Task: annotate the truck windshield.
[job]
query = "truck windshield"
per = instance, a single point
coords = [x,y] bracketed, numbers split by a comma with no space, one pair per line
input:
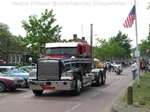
[61,50]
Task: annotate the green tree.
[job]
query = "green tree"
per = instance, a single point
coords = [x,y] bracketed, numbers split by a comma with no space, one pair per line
[117,52]
[9,43]
[40,31]
[124,42]
[145,44]
[105,50]
[101,49]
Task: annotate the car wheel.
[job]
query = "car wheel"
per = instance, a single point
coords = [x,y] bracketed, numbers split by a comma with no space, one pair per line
[2,87]
[37,92]
[25,84]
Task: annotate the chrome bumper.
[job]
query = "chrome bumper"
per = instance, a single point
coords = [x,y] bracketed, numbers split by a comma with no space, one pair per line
[51,85]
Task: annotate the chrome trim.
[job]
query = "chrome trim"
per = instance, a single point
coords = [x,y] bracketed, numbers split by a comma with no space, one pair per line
[58,85]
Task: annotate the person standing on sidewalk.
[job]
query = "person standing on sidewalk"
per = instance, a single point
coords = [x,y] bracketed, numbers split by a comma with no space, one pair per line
[133,69]
[142,67]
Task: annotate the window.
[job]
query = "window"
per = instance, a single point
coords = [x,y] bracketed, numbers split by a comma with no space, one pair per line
[18,58]
[60,50]
[10,58]
[68,50]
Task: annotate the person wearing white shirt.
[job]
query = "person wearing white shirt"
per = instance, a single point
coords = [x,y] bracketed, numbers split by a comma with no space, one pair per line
[133,69]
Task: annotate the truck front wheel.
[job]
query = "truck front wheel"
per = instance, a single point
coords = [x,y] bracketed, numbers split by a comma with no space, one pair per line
[37,92]
[78,85]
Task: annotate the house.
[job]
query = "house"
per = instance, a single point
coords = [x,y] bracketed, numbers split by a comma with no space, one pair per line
[15,58]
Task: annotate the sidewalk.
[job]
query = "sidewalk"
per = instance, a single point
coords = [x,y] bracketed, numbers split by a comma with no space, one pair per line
[124,107]
[119,106]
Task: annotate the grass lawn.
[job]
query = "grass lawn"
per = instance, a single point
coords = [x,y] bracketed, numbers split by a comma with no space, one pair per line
[141,95]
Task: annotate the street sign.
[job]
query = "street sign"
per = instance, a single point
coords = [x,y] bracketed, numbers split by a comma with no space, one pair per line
[137,54]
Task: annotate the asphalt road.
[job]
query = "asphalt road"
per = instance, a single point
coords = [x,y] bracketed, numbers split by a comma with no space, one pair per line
[92,99]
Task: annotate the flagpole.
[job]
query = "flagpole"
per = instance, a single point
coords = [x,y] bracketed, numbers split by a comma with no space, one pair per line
[137,51]
[82,30]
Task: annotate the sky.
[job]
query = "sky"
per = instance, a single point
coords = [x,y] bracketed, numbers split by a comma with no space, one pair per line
[75,17]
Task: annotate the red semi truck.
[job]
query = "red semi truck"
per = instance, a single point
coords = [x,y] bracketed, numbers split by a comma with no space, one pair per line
[66,66]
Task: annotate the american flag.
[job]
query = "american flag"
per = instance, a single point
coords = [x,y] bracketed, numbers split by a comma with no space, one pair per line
[130,19]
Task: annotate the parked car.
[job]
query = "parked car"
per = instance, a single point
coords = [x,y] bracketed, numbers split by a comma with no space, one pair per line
[2,62]
[13,71]
[32,74]
[11,83]
[26,68]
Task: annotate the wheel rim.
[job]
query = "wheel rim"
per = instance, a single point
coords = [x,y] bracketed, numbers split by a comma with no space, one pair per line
[79,84]
[1,87]
[24,85]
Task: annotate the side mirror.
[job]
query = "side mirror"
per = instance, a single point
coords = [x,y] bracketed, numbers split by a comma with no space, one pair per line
[87,50]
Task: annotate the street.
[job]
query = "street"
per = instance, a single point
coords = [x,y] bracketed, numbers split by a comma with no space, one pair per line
[91,99]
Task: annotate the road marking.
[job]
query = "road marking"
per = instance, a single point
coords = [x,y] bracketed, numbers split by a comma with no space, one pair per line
[116,77]
[73,108]
[112,85]
[3,102]
[93,96]
[27,96]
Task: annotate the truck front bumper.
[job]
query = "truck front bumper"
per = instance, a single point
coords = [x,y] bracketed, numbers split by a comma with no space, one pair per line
[51,85]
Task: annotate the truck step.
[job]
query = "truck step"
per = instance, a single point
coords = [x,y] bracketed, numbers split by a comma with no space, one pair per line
[87,84]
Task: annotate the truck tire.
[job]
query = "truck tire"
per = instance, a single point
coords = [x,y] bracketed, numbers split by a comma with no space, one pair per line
[78,85]
[2,87]
[103,77]
[98,79]
[37,92]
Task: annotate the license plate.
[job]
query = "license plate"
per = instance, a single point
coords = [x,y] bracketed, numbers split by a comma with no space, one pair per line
[48,88]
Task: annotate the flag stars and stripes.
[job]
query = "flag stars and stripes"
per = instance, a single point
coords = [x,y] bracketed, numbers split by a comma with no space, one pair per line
[130,18]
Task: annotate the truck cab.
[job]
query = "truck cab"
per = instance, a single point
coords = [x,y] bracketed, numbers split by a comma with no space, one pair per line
[66,66]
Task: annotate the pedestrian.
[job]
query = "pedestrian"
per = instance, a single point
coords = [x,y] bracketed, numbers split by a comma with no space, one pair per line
[142,67]
[109,67]
[148,67]
[147,64]
[133,69]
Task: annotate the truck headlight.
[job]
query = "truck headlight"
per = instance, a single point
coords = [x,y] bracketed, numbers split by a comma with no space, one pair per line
[67,74]
[32,75]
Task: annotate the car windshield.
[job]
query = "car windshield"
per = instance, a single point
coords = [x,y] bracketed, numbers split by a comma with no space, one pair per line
[25,69]
[1,75]
[61,50]
[4,70]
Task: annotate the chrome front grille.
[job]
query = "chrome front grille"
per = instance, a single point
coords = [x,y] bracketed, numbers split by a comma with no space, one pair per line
[48,70]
